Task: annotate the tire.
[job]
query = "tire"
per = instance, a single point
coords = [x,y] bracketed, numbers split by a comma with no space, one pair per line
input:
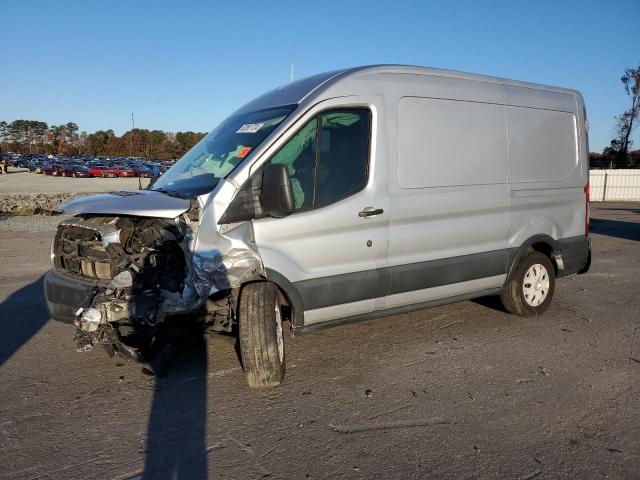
[261,335]
[524,297]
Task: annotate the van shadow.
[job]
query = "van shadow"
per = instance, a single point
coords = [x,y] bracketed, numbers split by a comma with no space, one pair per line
[615,228]
[616,208]
[176,433]
[22,315]
[492,302]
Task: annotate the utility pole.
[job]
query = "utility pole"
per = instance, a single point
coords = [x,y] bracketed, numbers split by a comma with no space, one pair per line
[133,126]
[293,55]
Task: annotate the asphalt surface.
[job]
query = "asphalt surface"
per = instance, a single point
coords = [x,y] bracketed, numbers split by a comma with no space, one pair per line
[21,181]
[460,391]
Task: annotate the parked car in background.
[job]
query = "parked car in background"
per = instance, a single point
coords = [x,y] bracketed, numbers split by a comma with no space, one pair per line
[18,162]
[77,170]
[54,169]
[101,170]
[35,166]
[123,170]
[141,171]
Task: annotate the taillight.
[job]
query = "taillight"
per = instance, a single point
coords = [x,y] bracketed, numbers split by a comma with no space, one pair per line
[586,209]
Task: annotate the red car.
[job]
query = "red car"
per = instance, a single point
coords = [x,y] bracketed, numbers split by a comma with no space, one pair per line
[102,171]
[124,171]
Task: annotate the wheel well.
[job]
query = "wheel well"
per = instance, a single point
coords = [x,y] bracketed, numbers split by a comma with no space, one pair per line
[547,250]
[291,294]
[284,299]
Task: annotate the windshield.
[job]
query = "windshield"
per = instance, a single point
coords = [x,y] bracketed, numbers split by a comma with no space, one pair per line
[216,155]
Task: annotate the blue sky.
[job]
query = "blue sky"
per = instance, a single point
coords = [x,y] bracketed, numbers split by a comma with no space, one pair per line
[185,65]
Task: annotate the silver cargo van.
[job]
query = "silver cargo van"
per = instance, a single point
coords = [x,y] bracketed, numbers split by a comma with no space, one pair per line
[344,196]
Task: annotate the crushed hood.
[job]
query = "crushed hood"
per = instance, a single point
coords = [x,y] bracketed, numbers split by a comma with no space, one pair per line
[143,203]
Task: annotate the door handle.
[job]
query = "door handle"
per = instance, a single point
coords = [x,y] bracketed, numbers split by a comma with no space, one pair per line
[370,212]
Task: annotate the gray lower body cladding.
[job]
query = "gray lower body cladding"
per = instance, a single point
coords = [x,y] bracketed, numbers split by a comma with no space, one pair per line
[352,287]
[576,254]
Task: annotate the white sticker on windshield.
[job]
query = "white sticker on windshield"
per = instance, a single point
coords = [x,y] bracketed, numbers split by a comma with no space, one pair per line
[250,127]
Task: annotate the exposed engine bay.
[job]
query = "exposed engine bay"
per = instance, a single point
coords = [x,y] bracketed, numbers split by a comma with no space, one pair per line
[147,283]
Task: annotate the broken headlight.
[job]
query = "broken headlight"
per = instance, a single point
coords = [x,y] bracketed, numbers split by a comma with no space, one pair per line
[90,319]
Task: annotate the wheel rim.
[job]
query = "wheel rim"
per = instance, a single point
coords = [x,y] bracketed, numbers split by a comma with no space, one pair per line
[535,285]
[280,338]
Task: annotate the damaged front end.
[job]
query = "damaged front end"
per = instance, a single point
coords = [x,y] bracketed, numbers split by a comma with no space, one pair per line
[136,272]
[143,273]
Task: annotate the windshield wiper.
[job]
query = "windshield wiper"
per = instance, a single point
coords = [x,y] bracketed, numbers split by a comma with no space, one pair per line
[170,193]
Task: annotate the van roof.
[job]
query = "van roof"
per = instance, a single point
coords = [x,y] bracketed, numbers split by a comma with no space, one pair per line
[310,87]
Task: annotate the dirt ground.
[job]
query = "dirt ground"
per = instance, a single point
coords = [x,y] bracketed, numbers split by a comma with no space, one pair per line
[460,391]
[21,181]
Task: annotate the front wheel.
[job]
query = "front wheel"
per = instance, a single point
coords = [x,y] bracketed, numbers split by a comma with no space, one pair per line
[530,289]
[261,335]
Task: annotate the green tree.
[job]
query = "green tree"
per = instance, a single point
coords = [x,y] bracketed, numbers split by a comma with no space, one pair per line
[4,126]
[628,120]
[71,133]
[56,137]
[26,135]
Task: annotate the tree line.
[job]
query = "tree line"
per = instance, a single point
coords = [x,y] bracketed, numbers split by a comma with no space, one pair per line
[33,136]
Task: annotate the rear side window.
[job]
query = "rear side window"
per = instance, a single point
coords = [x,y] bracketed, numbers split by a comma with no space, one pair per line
[327,158]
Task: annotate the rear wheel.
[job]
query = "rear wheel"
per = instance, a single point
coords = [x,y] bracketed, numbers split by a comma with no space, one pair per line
[261,335]
[529,291]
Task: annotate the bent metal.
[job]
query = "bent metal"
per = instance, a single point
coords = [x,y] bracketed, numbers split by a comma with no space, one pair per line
[344,196]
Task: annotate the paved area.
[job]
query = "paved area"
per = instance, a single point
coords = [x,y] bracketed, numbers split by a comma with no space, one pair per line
[460,391]
[22,181]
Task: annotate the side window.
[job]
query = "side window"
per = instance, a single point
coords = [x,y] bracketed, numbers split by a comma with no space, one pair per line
[343,156]
[328,158]
[299,155]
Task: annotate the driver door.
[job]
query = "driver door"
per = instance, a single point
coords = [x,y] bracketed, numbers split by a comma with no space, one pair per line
[333,247]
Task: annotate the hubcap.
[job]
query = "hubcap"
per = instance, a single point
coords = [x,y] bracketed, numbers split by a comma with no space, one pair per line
[535,286]
[279,336]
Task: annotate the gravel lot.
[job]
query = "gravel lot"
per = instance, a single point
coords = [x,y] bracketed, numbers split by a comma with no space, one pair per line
[460,391]
[22,181]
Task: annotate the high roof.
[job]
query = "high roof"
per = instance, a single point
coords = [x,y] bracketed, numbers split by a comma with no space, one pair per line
[296,92]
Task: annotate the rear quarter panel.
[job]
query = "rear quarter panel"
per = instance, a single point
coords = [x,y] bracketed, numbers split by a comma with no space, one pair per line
[546,183]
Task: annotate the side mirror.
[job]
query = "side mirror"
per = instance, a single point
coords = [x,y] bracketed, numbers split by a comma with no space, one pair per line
[277,194]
